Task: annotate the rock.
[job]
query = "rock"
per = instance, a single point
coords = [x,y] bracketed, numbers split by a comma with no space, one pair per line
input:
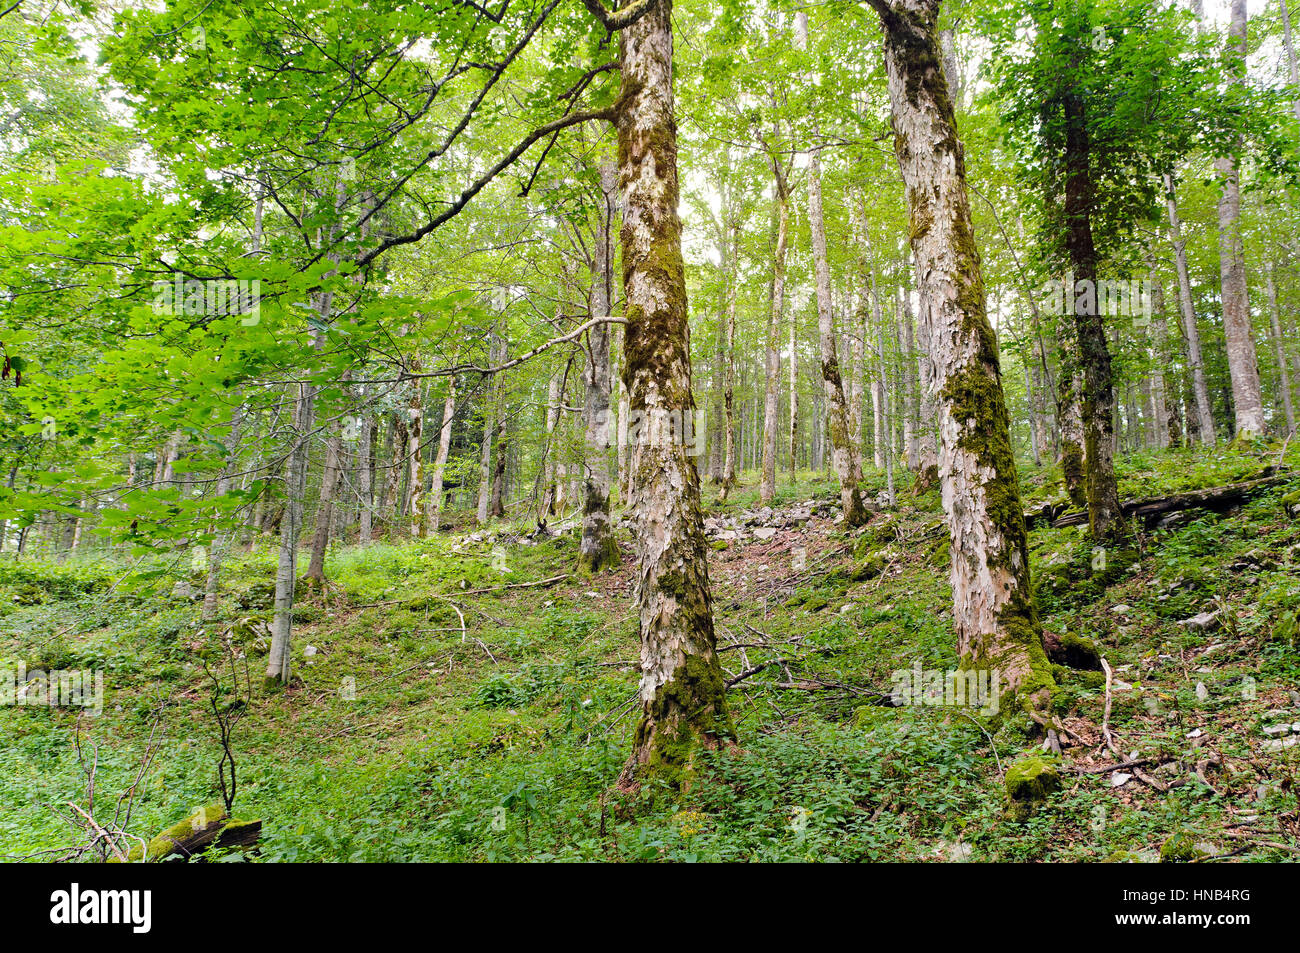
[1133,857]
[764,532]
[870,568]
[1029,782]
[1280,743]
[1121,609]
[1274,730]
[182,590]
[1202,622]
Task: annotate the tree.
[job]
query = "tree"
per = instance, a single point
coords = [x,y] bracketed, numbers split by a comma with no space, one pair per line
[683,698]
[993,606]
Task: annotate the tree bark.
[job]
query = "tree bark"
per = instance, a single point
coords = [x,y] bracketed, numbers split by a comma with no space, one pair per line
[440,458]
[683,696]
[1105,520]
[993,608]
[597,548]
[325,507]
[1243,367]
[771,341]
[1191,331]
[843,452]
[1279,350]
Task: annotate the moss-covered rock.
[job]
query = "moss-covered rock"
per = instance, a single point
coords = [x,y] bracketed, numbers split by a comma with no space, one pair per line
[208,826]
[1029,782]
[1291,504]
[869,568]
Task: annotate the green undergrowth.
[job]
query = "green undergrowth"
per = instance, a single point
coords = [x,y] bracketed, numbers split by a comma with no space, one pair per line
[454,700]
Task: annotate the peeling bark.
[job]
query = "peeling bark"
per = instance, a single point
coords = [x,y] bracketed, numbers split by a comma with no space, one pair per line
[683,697]
[993,608]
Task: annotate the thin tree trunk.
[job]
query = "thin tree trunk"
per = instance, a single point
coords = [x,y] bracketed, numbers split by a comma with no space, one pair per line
[365,475]
[772,345]
[1191,331]
[1293,69]
[440,458]
[1279,350]
[728,394]
[1160,414]
[597,548]
[325,507]
[844,455]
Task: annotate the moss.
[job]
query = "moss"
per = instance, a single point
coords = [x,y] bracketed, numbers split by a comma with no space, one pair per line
[1291,503]
[165,843]
[687,715]
[1181,846]
[1029,782]
[870,568]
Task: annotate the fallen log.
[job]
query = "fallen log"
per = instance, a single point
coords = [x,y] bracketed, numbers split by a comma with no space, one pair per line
[1218,498]
[206,827]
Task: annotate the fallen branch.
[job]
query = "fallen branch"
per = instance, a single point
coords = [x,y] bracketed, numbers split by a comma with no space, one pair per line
[1213,498]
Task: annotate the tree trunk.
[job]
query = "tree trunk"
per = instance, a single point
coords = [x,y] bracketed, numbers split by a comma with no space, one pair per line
[1105,520]
[729,385]
[490,412]
[683,696]
[497,498]
[772,344]
[1243,367]
[325,508]
[993,608]
[295,487]
[597,548]
[843,452]
[1293,69]
[1279,350]
[440,459]
[1191,331]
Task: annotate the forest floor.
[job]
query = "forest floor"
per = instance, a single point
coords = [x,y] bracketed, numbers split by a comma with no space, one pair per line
[466,698]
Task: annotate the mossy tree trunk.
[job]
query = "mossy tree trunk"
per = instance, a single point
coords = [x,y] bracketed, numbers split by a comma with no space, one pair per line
[1105,520]
[995,617]
[683,696]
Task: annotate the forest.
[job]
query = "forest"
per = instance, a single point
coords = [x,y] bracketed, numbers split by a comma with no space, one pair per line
[567,430]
